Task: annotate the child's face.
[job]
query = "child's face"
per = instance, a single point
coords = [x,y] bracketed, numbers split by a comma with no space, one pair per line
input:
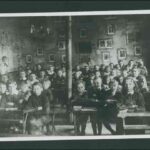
[39,67]
[98,83]
[60,73]
[12,88]
[37,90]
[24,88]
[96,67]
[22,74]
[77,75]
[135,72]
[2,88]
[32,77]
[51,68]
[46,85]
[97,74]
[113,72]
[81,88]
[42,73]
[78,68]
[114,86]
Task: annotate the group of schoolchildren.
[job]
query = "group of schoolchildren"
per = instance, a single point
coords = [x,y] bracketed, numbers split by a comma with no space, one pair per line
[107,88]
[31,90]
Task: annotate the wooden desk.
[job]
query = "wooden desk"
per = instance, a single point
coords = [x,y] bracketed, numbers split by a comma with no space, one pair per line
[10,117]
[122,126]
[82,110]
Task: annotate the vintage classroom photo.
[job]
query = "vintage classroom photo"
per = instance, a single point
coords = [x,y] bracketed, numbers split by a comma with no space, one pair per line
[71,74]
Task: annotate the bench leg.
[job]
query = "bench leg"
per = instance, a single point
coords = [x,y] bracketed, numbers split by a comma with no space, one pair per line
[119,126]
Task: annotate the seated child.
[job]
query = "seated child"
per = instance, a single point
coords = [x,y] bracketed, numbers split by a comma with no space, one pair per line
[47,90]
[38,119]
[132,96]
[142,68]
[4,79]
[142,84]
[95,94]
[79,98]
[25,93]
[106,81]
[60,88]
[32,79]
[22,77]
[12,96]
[113,99]
[42,76]
[51,73]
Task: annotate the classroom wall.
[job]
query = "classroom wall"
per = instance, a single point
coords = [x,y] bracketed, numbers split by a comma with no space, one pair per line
[97,30]
[16,41]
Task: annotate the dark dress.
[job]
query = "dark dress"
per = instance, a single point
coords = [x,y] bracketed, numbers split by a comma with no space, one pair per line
[36,120]
[81,119]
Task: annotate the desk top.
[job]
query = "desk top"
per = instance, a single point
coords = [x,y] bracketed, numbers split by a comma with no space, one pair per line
[84,109]
[124,114]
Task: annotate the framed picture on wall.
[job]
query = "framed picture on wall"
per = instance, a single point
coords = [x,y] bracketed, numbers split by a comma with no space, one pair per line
[61,45]
[40,52]
[122,53]
[106,57]
[110,28]
[51,58]
[101,44]
[63,58]
[109,43]
[138,50]
[83,33]
[105,43]
[28,58]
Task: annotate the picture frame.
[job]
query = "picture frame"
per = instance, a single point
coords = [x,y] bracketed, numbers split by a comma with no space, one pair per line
[63,58]
[138,50]
[61,45]
[28,59]
[122,53]
[105,43]
[40,52]
[51,58]
[101,44]
[106,57]
[111,28]
[109,43]
[83,33]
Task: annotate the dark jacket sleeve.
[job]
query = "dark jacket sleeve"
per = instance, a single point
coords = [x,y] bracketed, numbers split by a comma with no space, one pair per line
[140,100]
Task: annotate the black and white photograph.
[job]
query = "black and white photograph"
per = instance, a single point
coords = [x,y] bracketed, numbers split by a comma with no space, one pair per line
[75,89]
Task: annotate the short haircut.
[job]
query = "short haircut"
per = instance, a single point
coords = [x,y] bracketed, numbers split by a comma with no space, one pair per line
[37,84]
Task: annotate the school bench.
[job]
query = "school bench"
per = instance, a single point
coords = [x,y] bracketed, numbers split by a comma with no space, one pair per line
[82,110]
[123,125]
